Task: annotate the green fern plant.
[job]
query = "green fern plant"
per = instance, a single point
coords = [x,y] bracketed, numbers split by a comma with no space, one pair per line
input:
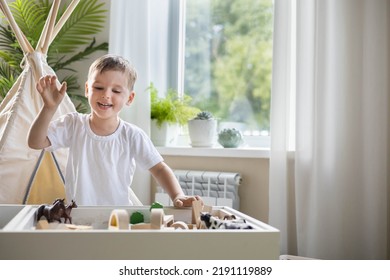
[171,108]
[77,34]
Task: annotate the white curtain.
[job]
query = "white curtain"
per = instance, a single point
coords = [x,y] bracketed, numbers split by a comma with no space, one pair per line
[330,125]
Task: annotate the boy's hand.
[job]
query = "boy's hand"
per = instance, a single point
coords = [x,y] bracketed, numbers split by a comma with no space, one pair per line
[185,200]
[50,93]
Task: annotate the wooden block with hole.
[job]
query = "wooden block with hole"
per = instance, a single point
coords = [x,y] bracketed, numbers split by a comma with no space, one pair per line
[119,220]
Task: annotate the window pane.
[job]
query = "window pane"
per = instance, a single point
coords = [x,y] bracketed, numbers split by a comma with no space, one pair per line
[228,59]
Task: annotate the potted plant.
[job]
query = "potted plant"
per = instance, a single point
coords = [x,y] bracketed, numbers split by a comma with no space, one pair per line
[202,129]
[230,138]
[168,113]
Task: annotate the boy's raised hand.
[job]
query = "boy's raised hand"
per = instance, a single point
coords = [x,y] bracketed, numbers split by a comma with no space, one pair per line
[50,93]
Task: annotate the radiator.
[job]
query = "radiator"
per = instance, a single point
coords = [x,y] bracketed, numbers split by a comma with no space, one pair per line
[215,188]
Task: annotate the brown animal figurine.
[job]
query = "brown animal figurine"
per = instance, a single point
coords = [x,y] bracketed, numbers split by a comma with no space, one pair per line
[68,209]
[52,212]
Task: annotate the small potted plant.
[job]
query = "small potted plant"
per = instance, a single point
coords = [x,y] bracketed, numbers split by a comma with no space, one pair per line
[202,130]
[167,114]
[230,138]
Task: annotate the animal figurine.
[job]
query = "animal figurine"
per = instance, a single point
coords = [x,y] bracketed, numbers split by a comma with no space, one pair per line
[52,212]
[56,211]
[68,209]
[229,217]
[214,223]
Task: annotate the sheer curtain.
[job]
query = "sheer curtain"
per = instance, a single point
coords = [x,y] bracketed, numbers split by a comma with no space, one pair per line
[330,123]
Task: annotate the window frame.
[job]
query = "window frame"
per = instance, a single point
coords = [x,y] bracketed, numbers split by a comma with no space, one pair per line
[176,62]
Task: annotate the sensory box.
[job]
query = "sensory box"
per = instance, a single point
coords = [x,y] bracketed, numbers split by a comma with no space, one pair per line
[19,238]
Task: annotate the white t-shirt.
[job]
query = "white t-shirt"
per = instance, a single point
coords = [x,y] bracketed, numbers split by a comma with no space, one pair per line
[100,169]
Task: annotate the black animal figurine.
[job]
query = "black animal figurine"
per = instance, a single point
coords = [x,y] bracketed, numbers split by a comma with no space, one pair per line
[56,211]
[52,212]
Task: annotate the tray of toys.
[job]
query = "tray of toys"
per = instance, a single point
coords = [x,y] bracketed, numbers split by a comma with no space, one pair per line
[59,231]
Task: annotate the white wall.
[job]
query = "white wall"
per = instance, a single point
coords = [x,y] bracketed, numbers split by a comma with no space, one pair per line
[82,66]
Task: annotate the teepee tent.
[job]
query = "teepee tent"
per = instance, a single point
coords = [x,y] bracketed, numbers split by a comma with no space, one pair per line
[29,176]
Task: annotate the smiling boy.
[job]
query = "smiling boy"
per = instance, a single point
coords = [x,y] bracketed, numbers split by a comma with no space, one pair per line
[103,149]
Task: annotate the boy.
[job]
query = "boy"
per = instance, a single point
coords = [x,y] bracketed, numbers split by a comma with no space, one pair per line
[103,149]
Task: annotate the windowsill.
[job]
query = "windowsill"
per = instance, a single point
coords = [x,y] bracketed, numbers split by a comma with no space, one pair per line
[242,152]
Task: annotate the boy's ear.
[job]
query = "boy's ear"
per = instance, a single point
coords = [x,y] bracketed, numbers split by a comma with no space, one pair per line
[86,89]
[131,98]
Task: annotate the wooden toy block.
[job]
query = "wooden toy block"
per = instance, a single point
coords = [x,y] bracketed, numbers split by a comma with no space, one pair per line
[197,207]
[192,227]
[179,225]
[168,220]
[156,218]
[44,225]
[78,227]
[141,226]
[147,226]
[119,220]
[61,226]
[207,208]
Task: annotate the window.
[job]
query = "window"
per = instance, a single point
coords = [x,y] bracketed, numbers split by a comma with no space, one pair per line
[228,60]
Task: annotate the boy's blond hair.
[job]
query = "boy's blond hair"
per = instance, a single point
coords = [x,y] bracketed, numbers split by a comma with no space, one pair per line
[116,63]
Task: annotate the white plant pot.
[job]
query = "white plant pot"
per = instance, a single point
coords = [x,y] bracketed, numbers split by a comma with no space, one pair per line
[164,136]
[202,132]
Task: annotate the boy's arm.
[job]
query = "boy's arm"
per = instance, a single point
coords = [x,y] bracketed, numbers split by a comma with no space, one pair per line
[166,178]
[52,97]
[37,136]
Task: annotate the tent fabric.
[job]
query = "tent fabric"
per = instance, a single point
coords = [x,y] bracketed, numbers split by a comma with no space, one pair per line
[46,183]
[17,160]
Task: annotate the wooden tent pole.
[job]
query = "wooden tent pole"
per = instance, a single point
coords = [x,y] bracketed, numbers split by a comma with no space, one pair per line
[24,44]
[39,45]
[63,19]
[51,24]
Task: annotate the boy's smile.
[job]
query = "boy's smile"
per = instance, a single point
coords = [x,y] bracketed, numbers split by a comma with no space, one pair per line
[104,106]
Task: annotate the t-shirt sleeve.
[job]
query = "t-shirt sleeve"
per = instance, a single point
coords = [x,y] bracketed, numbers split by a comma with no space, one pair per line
[60,132]
[146,153]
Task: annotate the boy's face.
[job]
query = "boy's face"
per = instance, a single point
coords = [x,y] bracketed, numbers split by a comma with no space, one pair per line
[107,93]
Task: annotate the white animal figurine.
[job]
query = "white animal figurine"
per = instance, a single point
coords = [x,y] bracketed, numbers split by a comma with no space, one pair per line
[214,223]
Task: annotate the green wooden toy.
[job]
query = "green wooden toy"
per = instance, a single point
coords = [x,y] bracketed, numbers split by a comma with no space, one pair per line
[136,218]
[156,205]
